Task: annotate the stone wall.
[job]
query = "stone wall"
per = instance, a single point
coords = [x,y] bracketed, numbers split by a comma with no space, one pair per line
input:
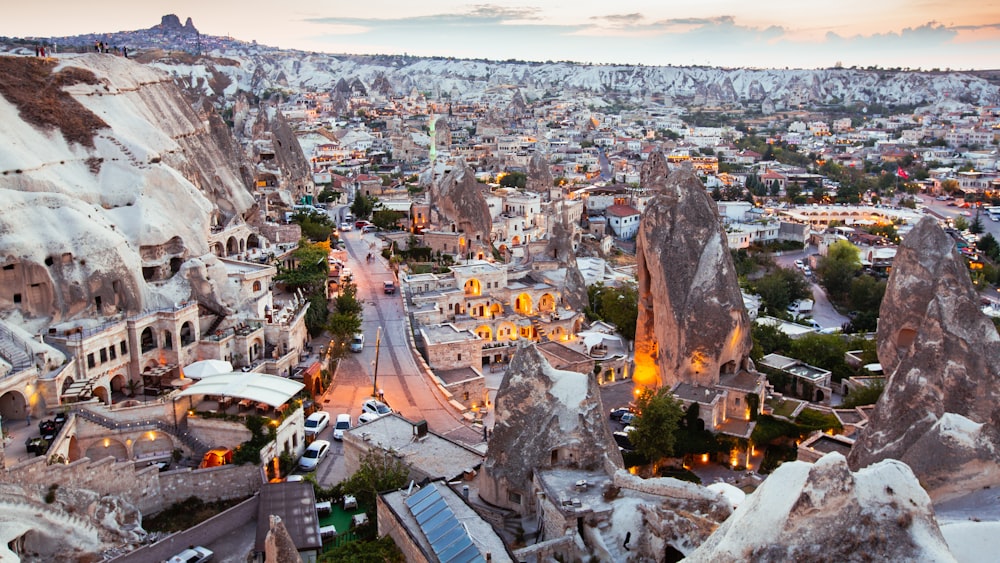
[454,355]
[140,486]
[663,486]
[214,483]
[279,234]
[548,550]
[389,524]
[218,433]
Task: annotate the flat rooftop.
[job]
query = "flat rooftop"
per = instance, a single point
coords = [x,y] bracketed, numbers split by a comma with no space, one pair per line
[695,393]
[452,376]
[445,333]
[295,503]
[432,455]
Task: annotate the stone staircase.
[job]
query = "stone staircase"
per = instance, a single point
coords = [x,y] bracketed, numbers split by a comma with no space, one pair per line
[615,550]
[14,350]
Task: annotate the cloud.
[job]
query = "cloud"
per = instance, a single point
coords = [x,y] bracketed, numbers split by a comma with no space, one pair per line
[503,13]
[619,19]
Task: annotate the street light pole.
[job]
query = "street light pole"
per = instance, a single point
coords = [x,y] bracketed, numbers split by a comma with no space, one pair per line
[378,341]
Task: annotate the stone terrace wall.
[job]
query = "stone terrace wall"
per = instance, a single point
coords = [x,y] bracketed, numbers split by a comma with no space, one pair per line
[218,433]
[215,483]
[663,486]
[140,486]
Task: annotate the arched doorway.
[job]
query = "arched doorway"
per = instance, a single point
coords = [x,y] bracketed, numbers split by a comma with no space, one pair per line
[187,334]
[547,303]
[168,340]
[255,350]
[522,304]
[107,447]
[253,241]
[496,310]
[217,249]
[231,246]
[147,341]
[74,450]
[118,383]
[101,392]
[473,287]
[485,332]
[13,406]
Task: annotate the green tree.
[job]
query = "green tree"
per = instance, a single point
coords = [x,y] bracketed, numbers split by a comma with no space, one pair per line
[363,206]
[780,288]
[836,270]
[960,223]
[311,268]
[988,245]
[617,305]
[381,550]
[656,424]
[387,219]
[823,351]
[866,395]
[866,294]
[378,471]
[514,180]
[768,339]
[976,227]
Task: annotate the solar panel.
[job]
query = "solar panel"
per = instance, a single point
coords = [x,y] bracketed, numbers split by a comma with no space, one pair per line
[447,536]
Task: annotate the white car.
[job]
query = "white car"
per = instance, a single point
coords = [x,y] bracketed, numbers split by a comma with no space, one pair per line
[313,455]
[357,343]
[346,274]
[372,409]
[316,423]
[345,226]
[192,555]
[343,424]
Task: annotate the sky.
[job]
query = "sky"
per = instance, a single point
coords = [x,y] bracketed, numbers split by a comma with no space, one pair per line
[927,34]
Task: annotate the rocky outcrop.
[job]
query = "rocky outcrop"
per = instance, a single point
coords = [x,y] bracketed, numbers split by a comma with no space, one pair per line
[442,134]
[941,354]
[458,205]
[823,512]
[539,177]
[545,418]
[278,544]
[78,222]
[692,324]
[295,170]
[654,172]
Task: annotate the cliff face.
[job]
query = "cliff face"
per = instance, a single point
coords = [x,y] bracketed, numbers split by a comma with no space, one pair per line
[83,218]
[541,410]
[940,353]
[654,172]
[539,177]
[692,323]
[823,512]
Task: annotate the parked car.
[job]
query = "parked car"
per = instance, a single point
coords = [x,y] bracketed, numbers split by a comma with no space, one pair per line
[388,287]
[197,554]
[313,455]
[346,274]
[369,229]
[316,423]
[361,224]
[357,342]
[628,418]
[343,424]
[616,414]
[372,409]
[799,264]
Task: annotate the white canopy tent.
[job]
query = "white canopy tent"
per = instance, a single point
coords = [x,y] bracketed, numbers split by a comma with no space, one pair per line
[257,387]
[207,368]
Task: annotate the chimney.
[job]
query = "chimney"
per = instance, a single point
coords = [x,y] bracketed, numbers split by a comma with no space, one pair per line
[420,429]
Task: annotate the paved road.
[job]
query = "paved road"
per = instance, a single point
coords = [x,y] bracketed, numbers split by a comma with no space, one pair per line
[406,388]
[823,312]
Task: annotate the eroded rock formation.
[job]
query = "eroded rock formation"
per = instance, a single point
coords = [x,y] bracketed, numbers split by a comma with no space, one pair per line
[692,323]
[458,205]
[940,353]
[539,177]
[85,228]
[278,545]
[545,418]
[654,172]
[823,512]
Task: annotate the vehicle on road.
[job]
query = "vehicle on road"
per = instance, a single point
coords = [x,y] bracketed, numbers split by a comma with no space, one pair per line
[357,343]
[372,409]
[799,264]
[628,418]
[346,274]
[361,224]
[194,554]
[388,287]
[313,455]
[617,413]
[343,424]
[345,226]
[316,423]
[369,229]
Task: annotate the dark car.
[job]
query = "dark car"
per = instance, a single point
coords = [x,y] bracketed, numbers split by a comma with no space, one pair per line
[616,414]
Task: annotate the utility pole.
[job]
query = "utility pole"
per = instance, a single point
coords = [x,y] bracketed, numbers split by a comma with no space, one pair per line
[378,341]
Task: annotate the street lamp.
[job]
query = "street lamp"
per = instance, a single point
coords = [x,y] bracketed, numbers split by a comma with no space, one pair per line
[378,341]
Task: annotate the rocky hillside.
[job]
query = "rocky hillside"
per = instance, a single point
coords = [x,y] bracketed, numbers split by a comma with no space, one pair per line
[939,409]
[111,182]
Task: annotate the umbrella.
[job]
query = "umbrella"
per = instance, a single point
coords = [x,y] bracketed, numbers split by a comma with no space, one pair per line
[207,368]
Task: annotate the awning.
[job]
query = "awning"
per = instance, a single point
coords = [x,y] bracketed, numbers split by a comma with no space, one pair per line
[257,387]
[207,368]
